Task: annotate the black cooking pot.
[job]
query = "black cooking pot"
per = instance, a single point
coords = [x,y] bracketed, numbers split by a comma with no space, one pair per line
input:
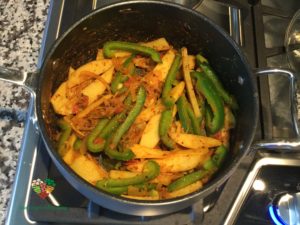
[141,21]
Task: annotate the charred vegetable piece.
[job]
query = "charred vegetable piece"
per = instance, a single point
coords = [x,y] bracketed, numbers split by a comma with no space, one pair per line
[92,137]
[134,112]
[187,180]
[228,99]
[118,79]
[66,132]
[219,155]
[164,126]
[167,99]
[131,47]
[183,114]
[150,171]
[206,88]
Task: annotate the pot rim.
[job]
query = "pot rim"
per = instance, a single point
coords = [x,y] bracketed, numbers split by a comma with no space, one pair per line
[207,188]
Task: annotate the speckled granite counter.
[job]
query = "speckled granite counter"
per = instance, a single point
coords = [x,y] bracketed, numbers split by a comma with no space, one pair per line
[21,30]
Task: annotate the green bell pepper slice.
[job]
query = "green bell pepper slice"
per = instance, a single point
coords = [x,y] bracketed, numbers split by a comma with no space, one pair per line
[109,46]
[206,88]
[150,171]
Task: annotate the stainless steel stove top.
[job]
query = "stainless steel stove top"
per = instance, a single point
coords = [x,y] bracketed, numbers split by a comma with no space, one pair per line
[253,27]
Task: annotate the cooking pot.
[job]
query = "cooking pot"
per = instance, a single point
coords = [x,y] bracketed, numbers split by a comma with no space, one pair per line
[141,21]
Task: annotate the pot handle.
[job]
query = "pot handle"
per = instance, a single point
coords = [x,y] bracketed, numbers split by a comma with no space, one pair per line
[287,145]
[25,80]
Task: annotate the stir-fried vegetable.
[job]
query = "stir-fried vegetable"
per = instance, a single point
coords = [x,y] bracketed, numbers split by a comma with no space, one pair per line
[133,120]
[132,47]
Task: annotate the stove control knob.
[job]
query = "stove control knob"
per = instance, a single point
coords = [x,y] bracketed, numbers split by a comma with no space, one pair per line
[285,209]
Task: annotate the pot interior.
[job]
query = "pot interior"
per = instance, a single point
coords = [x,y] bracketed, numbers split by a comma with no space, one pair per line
[143,21]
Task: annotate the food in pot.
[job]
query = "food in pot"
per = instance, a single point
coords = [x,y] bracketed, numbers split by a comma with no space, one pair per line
[144,120]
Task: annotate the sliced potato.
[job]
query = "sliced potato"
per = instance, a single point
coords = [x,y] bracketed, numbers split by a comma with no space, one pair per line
[177,91]
[188,82]
[161,70]
[142,152]
[159,44]
[166,178]
[121,174]
[71,71]
[61,104]
[150,136]
[176,161]
[88,168]
[70,156]
[183,160]
[184,191]
[194,141]
[97,67]
[121,54]
[94,90]
[192,62]
[100,55]
[150,111]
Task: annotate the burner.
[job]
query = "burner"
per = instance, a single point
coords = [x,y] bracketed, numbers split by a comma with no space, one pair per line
[269,194]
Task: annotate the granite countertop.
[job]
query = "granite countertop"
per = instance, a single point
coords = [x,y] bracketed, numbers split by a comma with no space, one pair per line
[21,31]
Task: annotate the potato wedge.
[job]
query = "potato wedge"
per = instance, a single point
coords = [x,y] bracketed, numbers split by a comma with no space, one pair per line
[121,54]
[142,152]
[150,136]
[150,111]
[121,174]
[87,168]
[188,82]
[191,62]
[71,71]
[94,90]
[176,161]
[161,70]
[100,55]
[184,191]
[166,178]
[177,91]
[97,67]
[61,104]
[159,44]
[70,156]
[194,141]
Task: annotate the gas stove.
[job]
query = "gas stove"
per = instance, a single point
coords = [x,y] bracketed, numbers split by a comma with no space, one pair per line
[263,185]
